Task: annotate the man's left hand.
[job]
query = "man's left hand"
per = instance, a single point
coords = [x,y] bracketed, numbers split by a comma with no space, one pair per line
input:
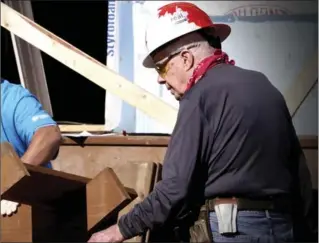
[111,234]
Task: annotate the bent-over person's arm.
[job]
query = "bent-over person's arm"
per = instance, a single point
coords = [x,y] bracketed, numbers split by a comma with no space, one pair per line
[183,153]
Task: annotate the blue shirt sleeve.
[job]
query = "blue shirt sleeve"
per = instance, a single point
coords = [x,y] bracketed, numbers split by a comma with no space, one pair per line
[29,116]
[181,159]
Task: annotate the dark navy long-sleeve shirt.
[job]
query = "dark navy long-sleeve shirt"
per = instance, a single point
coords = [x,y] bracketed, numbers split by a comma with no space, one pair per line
[236,125]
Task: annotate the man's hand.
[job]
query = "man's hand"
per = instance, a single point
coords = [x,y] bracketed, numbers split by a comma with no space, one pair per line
[111,234]
[8,207]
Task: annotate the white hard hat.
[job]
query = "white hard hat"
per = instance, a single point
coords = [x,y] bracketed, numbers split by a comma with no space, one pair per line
[174,20]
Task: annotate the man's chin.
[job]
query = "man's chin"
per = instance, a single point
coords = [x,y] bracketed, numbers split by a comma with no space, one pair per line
[177,96]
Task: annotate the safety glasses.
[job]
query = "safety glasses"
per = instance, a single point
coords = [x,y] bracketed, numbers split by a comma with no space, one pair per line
[161,66]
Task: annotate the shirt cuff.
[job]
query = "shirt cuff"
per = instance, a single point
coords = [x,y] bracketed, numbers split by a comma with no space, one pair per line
[124,229]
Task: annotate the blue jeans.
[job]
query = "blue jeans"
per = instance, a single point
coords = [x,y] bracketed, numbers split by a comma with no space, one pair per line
[256,226]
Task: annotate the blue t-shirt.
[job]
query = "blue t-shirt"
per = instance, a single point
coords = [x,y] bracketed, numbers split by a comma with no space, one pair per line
[21,116]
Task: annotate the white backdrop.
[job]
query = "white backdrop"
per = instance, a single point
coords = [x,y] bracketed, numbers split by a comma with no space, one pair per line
[113,104]
[274,37]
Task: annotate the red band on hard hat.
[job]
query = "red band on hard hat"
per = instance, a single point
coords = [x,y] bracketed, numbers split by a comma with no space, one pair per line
[195,14]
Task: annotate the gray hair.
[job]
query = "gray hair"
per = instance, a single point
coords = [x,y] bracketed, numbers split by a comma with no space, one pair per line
[195,41]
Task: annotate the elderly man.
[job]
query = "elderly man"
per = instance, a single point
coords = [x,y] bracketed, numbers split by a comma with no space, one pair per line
[28,128]
[234,157]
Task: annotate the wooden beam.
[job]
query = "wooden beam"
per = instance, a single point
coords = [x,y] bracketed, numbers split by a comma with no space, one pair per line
[305,81]
[81,128]
[10,162]
[87,66]
[29,60]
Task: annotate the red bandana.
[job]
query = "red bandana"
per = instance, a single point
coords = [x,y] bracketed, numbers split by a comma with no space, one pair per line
[209,62]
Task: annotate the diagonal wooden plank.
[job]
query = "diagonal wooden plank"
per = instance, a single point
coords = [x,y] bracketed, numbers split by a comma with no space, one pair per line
[87,66]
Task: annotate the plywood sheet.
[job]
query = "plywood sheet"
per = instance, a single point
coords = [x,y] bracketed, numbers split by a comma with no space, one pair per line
[10,162]
[18,227]
[88,161]
[33,189]
[138,175]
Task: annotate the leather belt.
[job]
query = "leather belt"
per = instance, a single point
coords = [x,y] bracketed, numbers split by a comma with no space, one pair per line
[244,204]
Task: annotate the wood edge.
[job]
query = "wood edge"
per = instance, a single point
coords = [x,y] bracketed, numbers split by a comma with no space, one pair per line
[8,147]
[306,141]
[118,182]
[131,192]
[66,128]
[131,205]
[6,192]
[18,164]
[92,228]
[126,197]
[115,140]
[61,174]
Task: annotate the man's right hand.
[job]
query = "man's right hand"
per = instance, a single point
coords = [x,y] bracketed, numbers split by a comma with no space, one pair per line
[8,207]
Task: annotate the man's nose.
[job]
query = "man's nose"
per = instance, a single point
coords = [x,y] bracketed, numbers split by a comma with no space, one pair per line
[160,80]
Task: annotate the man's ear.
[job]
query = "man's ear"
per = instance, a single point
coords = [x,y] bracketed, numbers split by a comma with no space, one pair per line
[188,60]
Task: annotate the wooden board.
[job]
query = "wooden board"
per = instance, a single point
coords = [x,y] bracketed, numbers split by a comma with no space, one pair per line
[33,189]
[87,66]
[88,156]
[17,228]
[82,127]
[88,161]
[105,196]
[63,204]
[10,162]
[39,179]
[138,175]
[129,140]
